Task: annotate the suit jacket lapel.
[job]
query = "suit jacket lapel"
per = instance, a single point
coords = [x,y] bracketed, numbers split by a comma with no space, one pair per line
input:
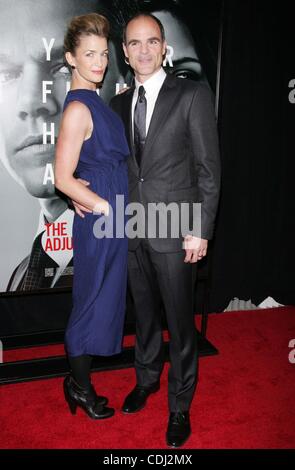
[126,115]
[163,105]
[127,119]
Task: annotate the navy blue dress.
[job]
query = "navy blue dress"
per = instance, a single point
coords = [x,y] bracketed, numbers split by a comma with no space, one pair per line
[96,323]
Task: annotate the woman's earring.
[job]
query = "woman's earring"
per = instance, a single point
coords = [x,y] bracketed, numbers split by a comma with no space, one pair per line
[73,67]
[126,60]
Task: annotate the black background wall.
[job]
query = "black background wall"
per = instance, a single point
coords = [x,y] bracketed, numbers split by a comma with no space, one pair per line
[254,255]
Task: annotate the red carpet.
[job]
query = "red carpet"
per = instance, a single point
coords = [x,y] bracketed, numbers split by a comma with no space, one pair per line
[245,397]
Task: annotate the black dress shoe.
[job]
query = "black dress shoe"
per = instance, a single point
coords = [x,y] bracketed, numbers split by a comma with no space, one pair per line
[179,429]
[136,400]
[87,399]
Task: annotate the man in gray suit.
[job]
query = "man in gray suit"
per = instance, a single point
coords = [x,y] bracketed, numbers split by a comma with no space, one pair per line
[170,124]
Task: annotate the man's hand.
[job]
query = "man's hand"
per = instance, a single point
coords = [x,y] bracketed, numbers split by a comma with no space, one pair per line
[78,207]
[122,90]
[195,248]
[102,207]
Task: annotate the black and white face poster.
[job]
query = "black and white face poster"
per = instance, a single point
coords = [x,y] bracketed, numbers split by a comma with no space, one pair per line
[36,221]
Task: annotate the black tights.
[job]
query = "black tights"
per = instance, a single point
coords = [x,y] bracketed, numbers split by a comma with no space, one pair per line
[80,367]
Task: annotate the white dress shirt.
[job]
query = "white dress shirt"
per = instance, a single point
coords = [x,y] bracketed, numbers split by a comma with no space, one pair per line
[152,87]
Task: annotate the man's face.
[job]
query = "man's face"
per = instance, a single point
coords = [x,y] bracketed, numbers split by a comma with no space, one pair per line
[186,63]
[144,47]
[23,67]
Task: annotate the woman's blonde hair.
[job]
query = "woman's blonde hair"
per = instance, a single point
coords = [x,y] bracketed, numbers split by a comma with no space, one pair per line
[85,25]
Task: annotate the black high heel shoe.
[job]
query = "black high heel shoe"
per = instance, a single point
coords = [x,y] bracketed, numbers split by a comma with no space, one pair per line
[88,400]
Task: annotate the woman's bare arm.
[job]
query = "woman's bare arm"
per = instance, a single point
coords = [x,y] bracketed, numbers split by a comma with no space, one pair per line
[76,126]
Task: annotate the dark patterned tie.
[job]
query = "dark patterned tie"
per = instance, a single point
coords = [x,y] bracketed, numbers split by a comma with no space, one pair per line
[34,277]
[139,124]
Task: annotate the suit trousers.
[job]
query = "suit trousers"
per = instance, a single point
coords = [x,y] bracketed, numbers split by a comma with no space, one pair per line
[157,279]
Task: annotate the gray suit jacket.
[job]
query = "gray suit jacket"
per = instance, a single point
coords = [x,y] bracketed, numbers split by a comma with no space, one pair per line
[180,161]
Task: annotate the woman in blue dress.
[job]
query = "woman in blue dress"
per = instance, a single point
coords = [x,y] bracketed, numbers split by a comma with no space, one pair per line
[92,146]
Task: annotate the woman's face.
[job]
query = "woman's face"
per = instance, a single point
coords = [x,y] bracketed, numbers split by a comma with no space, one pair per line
[184,56]
[90,61]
